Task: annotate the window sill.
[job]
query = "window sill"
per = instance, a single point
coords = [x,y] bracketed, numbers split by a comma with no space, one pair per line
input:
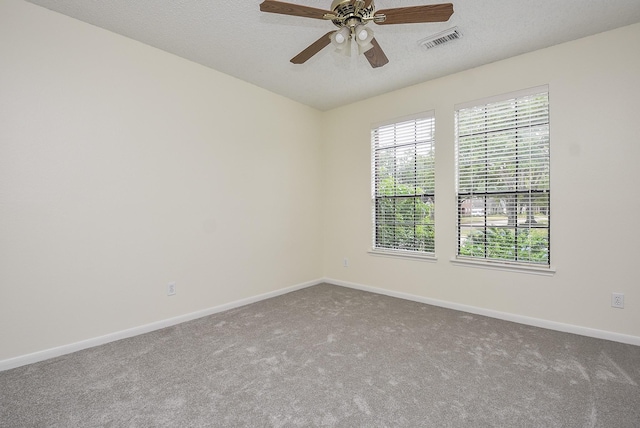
[509,267]
[409,255]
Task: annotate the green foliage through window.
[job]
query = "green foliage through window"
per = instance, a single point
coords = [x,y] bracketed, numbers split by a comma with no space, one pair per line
[503,182]
[404,185]
[525,245]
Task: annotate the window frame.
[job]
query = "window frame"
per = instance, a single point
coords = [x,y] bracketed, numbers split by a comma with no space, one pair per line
[419,145]
[484,260]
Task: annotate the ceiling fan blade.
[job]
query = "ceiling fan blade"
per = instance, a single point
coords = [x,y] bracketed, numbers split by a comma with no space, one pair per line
[415,14]
[283,8]
[375,55]
[313,49]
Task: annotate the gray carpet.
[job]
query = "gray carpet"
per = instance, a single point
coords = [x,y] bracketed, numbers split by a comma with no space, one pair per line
[332,356]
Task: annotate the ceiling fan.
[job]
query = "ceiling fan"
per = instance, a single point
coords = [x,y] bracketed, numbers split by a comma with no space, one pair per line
[351,18]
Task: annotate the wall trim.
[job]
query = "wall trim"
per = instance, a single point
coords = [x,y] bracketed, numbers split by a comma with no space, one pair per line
[147,328]
[506,316]
[46,354]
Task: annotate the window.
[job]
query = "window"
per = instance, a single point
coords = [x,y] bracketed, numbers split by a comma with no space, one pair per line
[404,185]
[503,179]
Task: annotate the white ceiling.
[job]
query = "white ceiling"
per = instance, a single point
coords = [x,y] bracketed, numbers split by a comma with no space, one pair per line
[234,37]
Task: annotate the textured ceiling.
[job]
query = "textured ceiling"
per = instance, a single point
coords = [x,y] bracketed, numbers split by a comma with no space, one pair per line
[234,37]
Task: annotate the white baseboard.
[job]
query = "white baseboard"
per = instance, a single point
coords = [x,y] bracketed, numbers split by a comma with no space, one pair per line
[112,337]
[101,340]
[521,319]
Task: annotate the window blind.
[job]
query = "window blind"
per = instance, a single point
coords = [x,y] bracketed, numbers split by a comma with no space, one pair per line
[404,185]
[503,187]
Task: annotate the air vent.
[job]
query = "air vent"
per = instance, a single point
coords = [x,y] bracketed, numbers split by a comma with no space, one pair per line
[441,38]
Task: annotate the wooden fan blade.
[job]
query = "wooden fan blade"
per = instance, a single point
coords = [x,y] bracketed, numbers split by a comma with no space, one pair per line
[313,49]
[415,14]
[376,55]
[293,9]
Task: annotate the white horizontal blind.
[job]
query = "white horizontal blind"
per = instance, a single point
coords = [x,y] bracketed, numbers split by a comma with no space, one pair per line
[503,179]
[404,185]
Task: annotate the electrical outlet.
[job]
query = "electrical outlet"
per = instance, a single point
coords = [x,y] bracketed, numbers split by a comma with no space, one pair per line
[617,300]
[345,262]
[171,289]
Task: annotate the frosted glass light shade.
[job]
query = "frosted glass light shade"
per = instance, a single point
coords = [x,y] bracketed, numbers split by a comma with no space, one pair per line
[341,39]
[363,37]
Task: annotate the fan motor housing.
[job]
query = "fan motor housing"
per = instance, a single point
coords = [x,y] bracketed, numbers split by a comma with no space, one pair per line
[347,15]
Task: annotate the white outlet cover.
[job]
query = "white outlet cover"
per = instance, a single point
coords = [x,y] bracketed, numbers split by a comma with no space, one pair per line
[617,300]
[171,289]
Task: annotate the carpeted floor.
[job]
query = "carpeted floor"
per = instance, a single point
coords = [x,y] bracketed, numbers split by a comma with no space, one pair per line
[332,356]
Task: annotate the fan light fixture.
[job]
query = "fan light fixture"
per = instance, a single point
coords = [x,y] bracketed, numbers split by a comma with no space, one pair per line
[341,39]
[364,35]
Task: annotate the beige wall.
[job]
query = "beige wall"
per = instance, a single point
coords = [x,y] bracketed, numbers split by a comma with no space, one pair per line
[594,86]
[123,168]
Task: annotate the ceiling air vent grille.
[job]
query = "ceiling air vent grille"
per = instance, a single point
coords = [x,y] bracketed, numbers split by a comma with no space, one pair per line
[441,38]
